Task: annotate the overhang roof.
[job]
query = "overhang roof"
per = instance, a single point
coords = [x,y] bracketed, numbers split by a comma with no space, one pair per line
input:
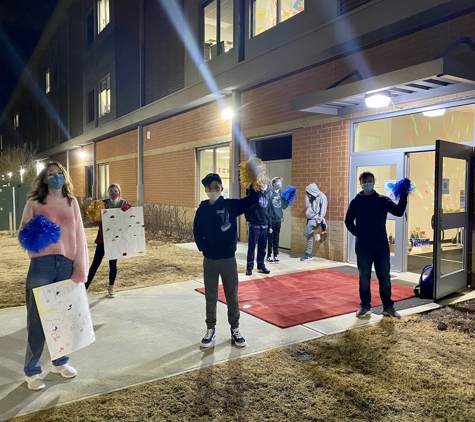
[431,79]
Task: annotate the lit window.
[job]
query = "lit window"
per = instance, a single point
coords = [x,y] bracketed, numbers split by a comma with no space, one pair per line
[103,179]
[103,14]
[16,121]
[269,13]
[48,84]
[105,96]
[215,159]
[218,27]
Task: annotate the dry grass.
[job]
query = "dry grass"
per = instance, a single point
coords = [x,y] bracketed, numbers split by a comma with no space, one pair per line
[164,263]
[416,369]
[392,371]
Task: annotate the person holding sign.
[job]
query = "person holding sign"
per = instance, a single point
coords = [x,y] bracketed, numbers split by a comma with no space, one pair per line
[114,201]
[53,234]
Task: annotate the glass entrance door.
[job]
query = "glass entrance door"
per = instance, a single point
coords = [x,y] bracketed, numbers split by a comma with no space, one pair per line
[387,168]
[452,199]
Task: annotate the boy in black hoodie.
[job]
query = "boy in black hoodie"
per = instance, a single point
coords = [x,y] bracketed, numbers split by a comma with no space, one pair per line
[259,225]
[369,211]
[215,232]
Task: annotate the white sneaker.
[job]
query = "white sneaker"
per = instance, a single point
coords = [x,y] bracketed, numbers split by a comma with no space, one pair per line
[66,370]
[111,291]
[35,382]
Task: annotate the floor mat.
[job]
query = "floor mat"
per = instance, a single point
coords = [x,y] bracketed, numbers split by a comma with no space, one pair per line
[297,298]
[354,270]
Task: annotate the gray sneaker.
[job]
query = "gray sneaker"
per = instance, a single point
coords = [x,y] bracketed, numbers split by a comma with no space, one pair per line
[391,312]
[363,313]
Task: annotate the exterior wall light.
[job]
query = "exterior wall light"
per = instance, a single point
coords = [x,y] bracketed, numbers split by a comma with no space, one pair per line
[227,114]
[434,113]
[377,99]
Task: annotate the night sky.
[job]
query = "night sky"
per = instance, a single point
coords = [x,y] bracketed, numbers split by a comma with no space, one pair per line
[21,24]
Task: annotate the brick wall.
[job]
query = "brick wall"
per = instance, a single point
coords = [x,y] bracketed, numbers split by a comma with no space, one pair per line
[269,104]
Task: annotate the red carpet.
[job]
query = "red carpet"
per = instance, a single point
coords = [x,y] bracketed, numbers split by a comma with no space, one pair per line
[293,299]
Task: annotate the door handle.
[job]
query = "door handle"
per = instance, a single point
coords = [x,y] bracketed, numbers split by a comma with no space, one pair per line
[432,221]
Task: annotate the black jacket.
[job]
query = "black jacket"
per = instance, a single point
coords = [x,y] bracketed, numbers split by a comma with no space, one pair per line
[215,227]
[258,214]
[369,212]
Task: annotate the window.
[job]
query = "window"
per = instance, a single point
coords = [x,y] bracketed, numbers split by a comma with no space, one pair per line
[48,82]
[105,96]
[88,181]
[104,179]
[214,160]
[103,15]
[90,106]
[269,13]
[218,18]
[16,121]
[90,27]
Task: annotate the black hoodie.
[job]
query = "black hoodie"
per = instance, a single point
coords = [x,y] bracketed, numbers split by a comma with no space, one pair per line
[215,227]
[369,212]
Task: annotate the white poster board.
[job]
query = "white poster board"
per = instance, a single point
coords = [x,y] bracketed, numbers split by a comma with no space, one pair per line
[123,233]
[65,316]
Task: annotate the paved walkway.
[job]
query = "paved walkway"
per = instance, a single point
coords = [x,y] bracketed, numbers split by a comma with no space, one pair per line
[152,333]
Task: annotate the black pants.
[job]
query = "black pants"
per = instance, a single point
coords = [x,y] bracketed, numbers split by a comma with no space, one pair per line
[273,239]
[96,262]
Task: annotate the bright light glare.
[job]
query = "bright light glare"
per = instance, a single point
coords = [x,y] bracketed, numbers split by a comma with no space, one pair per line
[434,113]
[378,99]
[227,114]
[39,167]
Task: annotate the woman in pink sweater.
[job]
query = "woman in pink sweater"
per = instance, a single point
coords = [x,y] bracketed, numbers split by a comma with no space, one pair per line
[52,197]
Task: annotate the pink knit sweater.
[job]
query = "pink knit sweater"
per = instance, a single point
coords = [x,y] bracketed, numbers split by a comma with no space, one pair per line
[72,243]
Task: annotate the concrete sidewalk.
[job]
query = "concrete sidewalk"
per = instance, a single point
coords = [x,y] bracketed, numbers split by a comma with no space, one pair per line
[152,333]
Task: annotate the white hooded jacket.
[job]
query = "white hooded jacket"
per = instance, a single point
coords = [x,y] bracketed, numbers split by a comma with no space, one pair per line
[316,209]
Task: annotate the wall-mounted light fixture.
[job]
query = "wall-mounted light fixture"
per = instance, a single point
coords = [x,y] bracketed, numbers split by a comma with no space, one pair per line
[377,99]
[434,113]
[227,114]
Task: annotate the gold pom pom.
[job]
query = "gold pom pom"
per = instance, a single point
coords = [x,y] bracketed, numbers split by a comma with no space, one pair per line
[253,172]
[94,211]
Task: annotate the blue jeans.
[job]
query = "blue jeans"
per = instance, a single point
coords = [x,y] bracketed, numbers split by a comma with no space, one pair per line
[366,255]
[257,236]
[43,270]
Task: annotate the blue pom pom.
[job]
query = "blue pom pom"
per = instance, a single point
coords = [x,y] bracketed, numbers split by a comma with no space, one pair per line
[289,194]
[402,187]
[38,234]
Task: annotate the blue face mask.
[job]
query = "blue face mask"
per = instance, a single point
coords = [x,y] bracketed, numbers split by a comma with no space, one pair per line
[368,187]
[278,185]
[57,181]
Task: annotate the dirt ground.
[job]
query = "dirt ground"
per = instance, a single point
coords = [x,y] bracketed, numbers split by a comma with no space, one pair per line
[417,369]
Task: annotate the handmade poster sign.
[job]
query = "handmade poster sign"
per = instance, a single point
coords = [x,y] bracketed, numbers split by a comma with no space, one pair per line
[64,312]
[123,232]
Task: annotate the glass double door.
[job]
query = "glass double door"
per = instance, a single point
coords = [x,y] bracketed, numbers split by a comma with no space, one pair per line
[387,169]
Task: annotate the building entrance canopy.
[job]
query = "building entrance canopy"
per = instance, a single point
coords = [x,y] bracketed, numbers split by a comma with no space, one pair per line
[427,80]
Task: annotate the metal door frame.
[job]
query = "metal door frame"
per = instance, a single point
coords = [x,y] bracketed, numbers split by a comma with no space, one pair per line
[450,283]
[398,261]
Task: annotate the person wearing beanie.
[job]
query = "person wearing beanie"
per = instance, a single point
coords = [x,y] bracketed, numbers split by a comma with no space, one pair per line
[277,205]
[215,232]
[316,203]
[366,220]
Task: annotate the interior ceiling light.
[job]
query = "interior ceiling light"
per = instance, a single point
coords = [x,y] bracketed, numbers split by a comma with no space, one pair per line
[377,99]
[434,113]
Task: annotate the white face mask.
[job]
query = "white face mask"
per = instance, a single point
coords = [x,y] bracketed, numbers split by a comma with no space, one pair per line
[213,196]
